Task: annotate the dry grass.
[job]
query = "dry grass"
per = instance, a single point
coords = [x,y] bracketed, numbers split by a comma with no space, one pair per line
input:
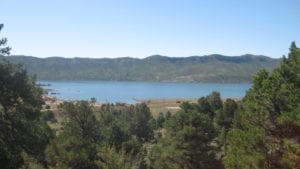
[164,105]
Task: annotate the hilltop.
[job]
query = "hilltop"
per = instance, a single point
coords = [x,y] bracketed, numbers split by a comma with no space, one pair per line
[209,68]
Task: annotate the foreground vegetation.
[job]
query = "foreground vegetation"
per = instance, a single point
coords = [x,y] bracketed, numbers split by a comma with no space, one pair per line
[260,131]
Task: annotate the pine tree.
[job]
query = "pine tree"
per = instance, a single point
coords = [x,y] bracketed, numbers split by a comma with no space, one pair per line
[269,122]
[23,133]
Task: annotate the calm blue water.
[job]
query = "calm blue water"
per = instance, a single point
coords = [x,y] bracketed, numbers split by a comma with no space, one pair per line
[112,91]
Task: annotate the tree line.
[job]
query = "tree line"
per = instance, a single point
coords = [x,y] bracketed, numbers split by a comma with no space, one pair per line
[260,131]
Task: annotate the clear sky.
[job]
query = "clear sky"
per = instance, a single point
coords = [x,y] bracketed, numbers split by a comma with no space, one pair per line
[140,28]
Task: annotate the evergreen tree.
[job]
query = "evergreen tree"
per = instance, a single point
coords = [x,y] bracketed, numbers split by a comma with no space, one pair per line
[225,116]
[160,120]
[79,144]
[215,101]
[23,133]
[188,142]
[4,50]
[142,126]
[269,122]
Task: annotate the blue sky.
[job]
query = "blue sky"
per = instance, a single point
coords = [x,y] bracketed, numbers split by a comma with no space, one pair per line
[140,28]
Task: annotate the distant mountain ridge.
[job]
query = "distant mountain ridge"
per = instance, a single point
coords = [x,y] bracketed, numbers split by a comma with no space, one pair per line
[209,68]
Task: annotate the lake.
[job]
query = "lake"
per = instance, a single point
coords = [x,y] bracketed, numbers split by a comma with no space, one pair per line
[128,92]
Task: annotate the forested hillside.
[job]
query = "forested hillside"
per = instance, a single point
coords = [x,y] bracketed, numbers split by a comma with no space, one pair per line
[212,68]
